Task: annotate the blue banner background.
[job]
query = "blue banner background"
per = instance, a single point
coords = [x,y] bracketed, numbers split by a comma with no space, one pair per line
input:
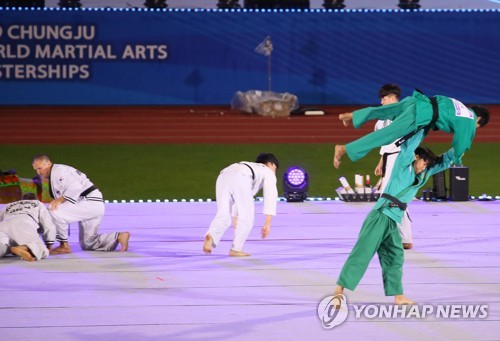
[322,57]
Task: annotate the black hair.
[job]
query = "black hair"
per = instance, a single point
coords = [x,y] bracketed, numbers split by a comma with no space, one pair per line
[29,196]
[482,113]
[426,154]
[389,89]
[267,157]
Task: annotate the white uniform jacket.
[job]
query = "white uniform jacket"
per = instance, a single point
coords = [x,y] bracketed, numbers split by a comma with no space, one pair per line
[42,221]
[390,148]
[70,183]
[263,179]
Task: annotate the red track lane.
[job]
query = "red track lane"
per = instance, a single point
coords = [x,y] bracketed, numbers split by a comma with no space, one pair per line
[182,124]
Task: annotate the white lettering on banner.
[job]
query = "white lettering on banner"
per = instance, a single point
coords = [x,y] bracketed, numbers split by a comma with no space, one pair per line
[14,51]
[51,32]
[461,110]
[145,52]
[57,52]
[74,52]
[44,71]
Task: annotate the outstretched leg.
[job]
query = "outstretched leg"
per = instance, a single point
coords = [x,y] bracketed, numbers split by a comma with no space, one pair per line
[369,239]
[398,128]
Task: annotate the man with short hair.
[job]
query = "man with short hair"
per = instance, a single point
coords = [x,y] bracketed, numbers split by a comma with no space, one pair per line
[390,94]
[77,199]
[20,223]
[414,113]
[235,189]
[379,234]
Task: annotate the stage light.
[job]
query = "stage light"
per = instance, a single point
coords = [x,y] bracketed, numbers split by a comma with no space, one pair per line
[333,4]
[295,184]
[409,4]
[155,4]
[22,3]
[277,4]
[485,197]
[228,4]
[70,4]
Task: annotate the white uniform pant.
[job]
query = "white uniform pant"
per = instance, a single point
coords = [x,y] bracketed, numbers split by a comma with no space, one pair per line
[405,226]
[89,215]
[233,187]
[21,230]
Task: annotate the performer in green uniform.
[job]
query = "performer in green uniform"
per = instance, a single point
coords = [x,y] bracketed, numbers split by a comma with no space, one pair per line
[413,113]
[379,234]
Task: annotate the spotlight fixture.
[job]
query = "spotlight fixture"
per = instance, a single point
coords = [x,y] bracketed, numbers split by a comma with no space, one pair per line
[153,4]
[333,4]
[295,184]
[409,4]
[22,3]
[229,4]
[277,4]
[70,4]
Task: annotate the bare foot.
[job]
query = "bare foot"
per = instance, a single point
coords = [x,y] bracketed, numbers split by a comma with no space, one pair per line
[407,246]
[339,154]
[346,119]
[233,253]
[63,248]
[23,252]
[402,300]
[338,296]
[123,238]
[207,245]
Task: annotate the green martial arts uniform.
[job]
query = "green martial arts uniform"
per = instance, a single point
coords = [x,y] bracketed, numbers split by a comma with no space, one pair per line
[380,232]
[410,114]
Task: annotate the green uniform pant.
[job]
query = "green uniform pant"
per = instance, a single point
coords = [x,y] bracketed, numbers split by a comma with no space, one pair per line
[379,234]
[404,122]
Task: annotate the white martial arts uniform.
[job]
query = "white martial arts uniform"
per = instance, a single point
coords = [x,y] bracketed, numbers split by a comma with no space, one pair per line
[20,223]
[85,208]
[237,185]
[390,153]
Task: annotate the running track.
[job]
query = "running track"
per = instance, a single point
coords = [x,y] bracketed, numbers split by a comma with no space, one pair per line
[184,124]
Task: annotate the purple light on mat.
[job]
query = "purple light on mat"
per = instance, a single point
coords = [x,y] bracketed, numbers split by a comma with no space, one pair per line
[296,176]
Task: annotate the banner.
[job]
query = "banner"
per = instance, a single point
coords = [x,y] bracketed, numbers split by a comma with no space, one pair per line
[203,57]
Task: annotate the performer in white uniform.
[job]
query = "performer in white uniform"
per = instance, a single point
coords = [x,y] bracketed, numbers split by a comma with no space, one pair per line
[76,199]
[235,189]
[389,94]
[20,223]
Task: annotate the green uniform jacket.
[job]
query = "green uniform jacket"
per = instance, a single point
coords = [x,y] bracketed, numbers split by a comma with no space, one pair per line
[410,114]
[404,182]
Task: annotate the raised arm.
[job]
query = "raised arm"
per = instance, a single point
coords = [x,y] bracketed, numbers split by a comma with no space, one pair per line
[444,162]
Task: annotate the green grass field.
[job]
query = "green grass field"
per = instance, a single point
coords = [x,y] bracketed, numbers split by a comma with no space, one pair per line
[189,171]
